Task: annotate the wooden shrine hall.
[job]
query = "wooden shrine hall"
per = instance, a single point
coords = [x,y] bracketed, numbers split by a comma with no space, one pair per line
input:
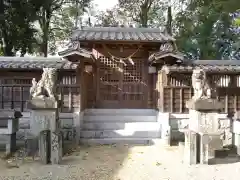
[121,75]
[112,67]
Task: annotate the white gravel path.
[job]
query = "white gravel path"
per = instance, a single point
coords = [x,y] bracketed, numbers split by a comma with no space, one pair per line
[124,162]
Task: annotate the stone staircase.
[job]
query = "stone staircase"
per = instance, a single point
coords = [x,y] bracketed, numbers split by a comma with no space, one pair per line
[110,126]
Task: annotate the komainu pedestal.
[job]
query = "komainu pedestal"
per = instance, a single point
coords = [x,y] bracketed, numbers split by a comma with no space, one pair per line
[203,121]
[45,124]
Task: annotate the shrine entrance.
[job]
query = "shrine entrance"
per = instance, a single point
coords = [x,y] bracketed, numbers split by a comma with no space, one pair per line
[122,84]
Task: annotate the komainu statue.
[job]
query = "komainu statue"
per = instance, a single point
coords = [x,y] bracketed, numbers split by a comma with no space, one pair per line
[46,86]
[201,87]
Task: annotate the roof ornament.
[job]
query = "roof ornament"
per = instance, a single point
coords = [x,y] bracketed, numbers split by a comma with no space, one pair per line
[167,47]
[74,44]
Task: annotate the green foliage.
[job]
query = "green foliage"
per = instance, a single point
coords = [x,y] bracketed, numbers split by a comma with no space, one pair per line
[37,26]
[56,20]
[111,18]
[16,30]
[145,13]
[142,13]
[237,22]
[204,28]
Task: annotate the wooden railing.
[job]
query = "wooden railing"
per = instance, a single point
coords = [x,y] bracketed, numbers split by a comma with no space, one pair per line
[175,98]
[178,90]
[15,92]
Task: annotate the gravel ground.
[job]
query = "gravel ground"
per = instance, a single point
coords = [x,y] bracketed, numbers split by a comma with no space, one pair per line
[123,162]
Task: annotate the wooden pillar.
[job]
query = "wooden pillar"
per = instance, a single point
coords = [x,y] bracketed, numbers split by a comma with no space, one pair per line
[82,96]
[78,81]
[161,82]
[145,79]
[95,81]
[97,77]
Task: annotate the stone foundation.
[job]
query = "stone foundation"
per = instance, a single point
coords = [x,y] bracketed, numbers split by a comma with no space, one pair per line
[70,126]
[179,122]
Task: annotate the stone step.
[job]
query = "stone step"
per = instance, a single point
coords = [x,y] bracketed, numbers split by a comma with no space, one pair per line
[108,141]
[117,118]
[120,134]
[132,126]
[120,112]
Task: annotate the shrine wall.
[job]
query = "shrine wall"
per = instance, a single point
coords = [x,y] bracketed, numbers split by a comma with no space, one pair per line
[69,123]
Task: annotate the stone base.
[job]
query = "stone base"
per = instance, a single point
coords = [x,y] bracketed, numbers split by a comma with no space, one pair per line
[209,143]
[45,121]
[203,121]
[204,105]
[50,147]
[42,120]
[200,147]
[42,103]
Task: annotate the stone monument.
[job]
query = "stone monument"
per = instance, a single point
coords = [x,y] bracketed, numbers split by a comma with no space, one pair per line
[236,131]
[45,123]
[202,137]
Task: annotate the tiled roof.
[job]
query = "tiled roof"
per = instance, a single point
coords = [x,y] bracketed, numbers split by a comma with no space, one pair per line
[226,66]
[75,49]
[166,49]
[217,62]
[121,34]
[35,63]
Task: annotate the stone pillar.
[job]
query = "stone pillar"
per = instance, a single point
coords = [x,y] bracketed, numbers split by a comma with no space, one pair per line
[190,149]
[236,135]
[164,119]
[56,147]
[45,124]
[10,120]
[44,146]
[77,121]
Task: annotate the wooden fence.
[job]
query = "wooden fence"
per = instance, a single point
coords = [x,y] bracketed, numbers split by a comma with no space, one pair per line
[178,90]
[14,92]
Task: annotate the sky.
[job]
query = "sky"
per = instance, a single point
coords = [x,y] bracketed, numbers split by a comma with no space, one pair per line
[105,4]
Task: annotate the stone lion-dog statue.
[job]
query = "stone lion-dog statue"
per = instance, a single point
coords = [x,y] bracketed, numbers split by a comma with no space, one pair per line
[201,86]
[46,86]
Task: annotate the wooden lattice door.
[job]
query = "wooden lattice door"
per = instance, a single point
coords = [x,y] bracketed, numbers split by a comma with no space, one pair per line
[133,84]
[109,82]
[121,84]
